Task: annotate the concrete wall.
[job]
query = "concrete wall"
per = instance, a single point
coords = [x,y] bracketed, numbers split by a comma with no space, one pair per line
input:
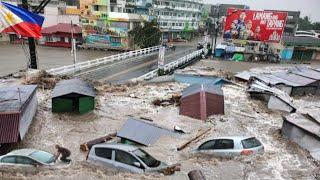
[53,17]
[300,136]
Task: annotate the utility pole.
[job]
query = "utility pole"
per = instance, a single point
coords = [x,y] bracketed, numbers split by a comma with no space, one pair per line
[216,27]
[32,44]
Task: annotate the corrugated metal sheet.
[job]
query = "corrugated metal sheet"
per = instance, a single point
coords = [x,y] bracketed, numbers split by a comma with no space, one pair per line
[306,72]
[73,86]
[143,132]
[196,88]
[196,79]
[299,80]
[302,122]
[11,101]
[9,128]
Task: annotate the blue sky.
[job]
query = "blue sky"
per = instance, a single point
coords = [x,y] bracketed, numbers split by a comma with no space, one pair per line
[306,7]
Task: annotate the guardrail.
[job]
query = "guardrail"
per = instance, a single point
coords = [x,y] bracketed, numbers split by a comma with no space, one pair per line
[170,66]
[78,67]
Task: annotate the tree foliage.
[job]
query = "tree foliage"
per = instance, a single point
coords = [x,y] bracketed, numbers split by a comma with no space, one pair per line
[306,24]
[147,35]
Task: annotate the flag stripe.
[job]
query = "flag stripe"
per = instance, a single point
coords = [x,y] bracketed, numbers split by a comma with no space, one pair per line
[25,15]
[25,29]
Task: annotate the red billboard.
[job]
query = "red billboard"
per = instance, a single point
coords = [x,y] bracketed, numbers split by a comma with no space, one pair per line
[254,25]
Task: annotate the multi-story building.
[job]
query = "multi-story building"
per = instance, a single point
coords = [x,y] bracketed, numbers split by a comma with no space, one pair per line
[177,18]
[292,22]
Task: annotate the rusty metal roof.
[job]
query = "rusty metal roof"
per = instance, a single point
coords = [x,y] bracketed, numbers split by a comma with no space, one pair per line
[13,98]
[142,132]
[9,128]
[70,86]
[196,88]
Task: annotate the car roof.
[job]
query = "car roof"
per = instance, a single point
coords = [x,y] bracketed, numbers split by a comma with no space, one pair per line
[236,138]
[123,147]
[22,152]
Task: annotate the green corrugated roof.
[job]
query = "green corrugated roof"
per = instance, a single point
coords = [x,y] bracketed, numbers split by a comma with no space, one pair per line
[301,41]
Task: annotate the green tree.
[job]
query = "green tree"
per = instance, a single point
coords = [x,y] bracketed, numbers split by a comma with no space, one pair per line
[147,35]
[305,23]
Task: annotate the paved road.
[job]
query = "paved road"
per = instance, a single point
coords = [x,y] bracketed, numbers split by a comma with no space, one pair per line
[13,57]
[123,71]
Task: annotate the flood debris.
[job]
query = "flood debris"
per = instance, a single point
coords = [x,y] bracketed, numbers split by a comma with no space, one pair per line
[18,106]
[200,101]
[196,175]
[274,97]
[173,100]
[87,146]
[200,134]
[142,132]
[42,79]
[303,129]
[171,169]
[298,81]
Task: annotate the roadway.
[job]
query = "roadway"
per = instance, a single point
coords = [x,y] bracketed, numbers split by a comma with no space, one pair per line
[121,72]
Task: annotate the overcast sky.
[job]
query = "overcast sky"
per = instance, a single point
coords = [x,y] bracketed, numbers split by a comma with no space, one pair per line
[309,8]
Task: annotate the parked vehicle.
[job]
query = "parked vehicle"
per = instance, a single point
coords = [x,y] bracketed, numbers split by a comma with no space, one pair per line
[231,146]
[28,157]
[124,157]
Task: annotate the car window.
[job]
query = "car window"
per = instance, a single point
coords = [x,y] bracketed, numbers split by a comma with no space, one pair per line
[250,143]
[207,145]
[42,156]
[223,144]
[147,158]
[125,158]
[103,153]
[9,159]
[24,160]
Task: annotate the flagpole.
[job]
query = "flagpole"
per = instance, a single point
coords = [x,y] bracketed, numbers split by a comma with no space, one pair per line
[32,44]
[73,46]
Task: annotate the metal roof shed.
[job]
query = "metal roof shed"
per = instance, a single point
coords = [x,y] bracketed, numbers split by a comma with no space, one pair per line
[202,100]
[18,106]
[73,95]
[303,130]
[142,132]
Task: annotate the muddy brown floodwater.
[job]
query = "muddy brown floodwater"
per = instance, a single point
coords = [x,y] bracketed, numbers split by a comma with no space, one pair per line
[243,116]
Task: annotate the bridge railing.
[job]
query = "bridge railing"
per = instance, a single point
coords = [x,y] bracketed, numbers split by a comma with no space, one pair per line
[78,67]
[170,66]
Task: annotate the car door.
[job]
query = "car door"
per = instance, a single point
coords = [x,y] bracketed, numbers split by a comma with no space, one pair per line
[103,156]
[25,161]
[125,161]
[8,160]
[207,147]
[224,148]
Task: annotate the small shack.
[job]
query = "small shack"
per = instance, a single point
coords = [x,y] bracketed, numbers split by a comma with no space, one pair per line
[141,132]
[18,105]
[304,130]
[73,95]
[202,100]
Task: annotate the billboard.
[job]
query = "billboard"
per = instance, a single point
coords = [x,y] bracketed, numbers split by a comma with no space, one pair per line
[254,25]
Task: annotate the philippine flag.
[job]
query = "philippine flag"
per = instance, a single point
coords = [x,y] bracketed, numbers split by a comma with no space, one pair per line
[20,21]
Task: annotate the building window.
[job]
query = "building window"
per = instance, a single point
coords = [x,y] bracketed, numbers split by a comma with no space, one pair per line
[48,39]
[95,8]
[112,8]
[115,39]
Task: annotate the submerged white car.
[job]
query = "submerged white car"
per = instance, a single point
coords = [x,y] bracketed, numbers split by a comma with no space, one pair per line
[28,157]
[231,146]
[124,157]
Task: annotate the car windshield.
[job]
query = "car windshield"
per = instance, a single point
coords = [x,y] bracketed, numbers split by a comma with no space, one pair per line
[250,143]
[146,158]
[42,156]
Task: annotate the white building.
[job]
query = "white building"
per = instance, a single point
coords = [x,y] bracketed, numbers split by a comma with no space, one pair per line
[177,18]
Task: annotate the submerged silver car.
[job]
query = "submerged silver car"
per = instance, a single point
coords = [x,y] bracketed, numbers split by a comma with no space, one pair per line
[124,157]
[27,157]
[231,146]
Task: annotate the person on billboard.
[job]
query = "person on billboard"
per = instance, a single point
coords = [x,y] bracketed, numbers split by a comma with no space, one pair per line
[241,25]
[233,32]
[257,34]
[247,33]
